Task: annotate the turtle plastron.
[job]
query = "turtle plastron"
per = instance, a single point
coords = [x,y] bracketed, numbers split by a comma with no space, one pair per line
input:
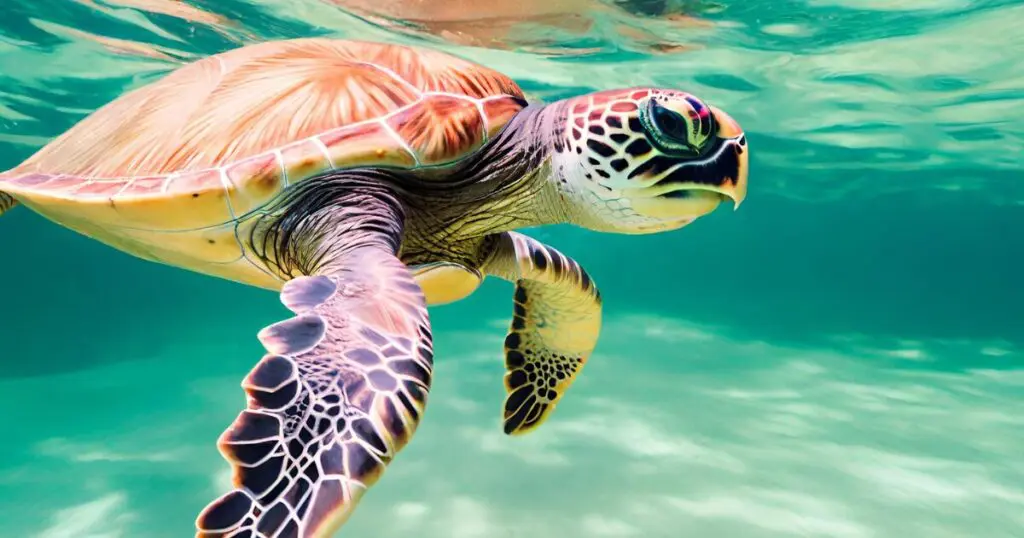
[447,282]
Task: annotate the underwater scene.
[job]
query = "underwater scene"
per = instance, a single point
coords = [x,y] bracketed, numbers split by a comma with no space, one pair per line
[832,349]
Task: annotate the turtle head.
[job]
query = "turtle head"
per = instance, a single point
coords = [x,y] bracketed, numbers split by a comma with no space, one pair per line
[647,160]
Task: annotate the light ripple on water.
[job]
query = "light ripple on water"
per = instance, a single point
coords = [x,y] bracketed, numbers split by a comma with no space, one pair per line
[929,98]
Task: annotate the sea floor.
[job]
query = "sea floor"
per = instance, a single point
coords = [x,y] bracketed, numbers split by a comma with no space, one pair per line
[673,430]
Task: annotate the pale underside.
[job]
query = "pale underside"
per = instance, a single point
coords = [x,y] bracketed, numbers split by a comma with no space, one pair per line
[170,172]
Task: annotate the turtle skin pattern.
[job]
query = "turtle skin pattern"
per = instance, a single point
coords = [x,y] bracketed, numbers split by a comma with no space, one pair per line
[340,392]
[555,324]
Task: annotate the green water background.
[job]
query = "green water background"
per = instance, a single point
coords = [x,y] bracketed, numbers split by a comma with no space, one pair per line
[839,358]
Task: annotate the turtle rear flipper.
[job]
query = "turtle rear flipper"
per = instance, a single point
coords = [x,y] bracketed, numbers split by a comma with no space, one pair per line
[7,202]
[342,389]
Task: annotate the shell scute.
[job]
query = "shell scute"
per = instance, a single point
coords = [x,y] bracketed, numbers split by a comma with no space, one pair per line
[499,111]
[194,184]
[66,198]
[143,186]
[216,245]
[305,158]
[100,189]
[176,202]
[30,180]
[254,182]
[440,128]
[62,183]
[368,144]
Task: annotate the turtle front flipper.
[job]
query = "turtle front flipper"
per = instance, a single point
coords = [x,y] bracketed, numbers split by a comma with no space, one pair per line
[7,202]
[340,391]
[555,326]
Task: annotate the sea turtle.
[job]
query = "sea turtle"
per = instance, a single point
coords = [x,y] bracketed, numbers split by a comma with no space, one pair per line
[363,182]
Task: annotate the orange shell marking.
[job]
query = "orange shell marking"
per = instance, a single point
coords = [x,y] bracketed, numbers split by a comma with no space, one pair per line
[221,137]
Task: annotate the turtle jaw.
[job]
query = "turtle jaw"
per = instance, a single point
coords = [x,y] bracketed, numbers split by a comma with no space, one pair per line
[677,206]
[694,188]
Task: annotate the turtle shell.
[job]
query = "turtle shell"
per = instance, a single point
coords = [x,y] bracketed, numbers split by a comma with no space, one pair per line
[214,141]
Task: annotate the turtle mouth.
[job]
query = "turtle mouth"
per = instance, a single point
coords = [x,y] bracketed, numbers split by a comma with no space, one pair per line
[686,194]
[721,169]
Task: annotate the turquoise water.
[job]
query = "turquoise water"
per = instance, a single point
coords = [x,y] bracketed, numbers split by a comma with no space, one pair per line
[839,358]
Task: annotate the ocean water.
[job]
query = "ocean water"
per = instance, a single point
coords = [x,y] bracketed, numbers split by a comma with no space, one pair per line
[839,358]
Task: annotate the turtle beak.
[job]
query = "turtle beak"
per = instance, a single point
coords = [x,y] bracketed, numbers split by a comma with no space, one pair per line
[733,188]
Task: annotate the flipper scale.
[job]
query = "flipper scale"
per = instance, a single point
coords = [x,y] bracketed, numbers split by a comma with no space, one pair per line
[340,392]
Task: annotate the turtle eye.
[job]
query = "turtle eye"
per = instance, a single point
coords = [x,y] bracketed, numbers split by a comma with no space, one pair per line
[671,124]
[675,133]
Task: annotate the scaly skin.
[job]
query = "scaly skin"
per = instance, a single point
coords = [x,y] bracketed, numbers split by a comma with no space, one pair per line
[588,161]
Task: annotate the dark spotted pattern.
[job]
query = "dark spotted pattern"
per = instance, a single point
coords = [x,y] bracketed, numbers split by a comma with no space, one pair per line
[600,148]
[338,395]
[725,168]
[606,126]
[638,148]
[552,291]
